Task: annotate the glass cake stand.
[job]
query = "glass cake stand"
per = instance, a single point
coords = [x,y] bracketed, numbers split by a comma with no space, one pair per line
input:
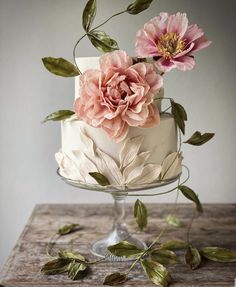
[119,230]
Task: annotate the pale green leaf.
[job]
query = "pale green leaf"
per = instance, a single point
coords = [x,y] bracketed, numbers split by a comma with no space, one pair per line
[60,67]
[198,139]
[179,115]
[56,266]
[100,178]
[138,6]
[66,229]
[219,254]
[156,272]
[102,41]
[164,256]
[192,257]
[89,14]
[191,195]
[174,244]
[140,213]
[125,249]
[59,115]
[115,279]
[174,221]
[75,270]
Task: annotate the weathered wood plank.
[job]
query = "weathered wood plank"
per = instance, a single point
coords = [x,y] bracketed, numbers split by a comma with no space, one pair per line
[215,227]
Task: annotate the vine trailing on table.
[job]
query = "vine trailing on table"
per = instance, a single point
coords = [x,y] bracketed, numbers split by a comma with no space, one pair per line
[168,46]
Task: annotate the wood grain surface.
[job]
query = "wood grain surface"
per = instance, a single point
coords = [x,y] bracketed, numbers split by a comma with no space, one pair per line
[216,227]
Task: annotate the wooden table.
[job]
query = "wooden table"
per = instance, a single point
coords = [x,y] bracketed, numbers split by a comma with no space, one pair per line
[216,227]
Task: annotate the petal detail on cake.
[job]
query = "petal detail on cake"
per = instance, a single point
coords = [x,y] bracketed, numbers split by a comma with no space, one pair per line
[108,167]
[150,173]
[129,150]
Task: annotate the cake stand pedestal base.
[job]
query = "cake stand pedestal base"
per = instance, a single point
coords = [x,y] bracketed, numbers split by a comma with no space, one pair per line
[119,232]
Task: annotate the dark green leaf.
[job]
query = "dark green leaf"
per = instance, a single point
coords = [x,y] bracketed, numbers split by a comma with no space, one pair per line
[102,41]
[56,266]
[191,195]
[70,255]
[126,249]
[60,67]
[179,115]
[172,220]
[59,115]
[100,178]
[164,257]
[192,257]
[140,213]
[199,139]
[156,272]
[138,6]
[115,279]
[89,14]
[75,270]
[174,244]
[219,254]
[66,229]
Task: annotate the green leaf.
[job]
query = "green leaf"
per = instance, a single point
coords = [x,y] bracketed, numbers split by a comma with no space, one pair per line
[163,256]
[60,67]
[156,272]
[102,41]
[219,254]
[56,266]
[192,257]
[138,6]
[100,178]
[58,116]
[191,195]
[198,139]
[75,270]
[125,249]
[140,213]
[70,255]
[66,229]
[89,14]
[115,279]
[179,115]
[172,220]
[174,244]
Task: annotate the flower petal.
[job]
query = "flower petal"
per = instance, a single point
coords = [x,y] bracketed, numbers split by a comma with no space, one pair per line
[184,63]
[115,60]
[177,23]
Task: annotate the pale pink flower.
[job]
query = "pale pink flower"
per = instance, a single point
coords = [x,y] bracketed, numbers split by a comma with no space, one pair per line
[170,41]
[119,95]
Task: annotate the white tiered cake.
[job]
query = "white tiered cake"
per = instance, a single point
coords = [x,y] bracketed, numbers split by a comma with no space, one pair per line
[144,156]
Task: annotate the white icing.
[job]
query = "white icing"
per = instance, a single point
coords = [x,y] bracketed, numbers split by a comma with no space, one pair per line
[160,140]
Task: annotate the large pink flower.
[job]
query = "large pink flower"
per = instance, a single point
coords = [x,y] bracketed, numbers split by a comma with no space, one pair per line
[119,95]
[171,41]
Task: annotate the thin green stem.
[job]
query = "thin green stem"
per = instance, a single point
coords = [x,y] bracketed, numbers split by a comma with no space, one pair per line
[117,14]
[50,245]
[190,225]
[76,44]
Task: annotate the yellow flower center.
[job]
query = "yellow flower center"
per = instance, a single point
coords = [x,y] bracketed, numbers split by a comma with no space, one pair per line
[170,45]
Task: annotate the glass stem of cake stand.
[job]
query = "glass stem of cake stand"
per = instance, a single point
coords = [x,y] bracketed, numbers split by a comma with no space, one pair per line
[119,225]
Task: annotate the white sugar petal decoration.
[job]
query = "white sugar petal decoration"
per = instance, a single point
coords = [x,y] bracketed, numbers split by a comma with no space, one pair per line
[171,166]
[149,174]
[134,169]
[108,167]
[86,144]
[129,150]
[84,165]
[67,167]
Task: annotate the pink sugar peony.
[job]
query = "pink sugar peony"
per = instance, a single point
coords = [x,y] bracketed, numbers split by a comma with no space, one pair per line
[171,41]
[119,95]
